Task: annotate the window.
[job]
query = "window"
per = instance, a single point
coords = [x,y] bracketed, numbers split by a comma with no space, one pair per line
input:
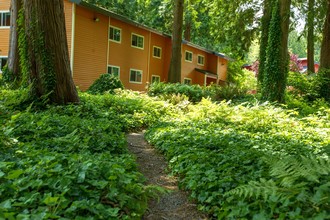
[157,52]
[200,60]
[114,70]
[3,62]
[135,76]
[4,19]
[115,34]
[188,56]
[137,41]
[155,79]
[187,81]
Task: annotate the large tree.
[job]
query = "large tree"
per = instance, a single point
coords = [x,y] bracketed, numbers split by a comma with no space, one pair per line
[13,67]
[325,57]
[310,36]
[276,70]
[46,47]
[174,74]
[265,23]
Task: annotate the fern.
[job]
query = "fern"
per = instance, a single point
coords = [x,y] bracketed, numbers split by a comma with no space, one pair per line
[291,177]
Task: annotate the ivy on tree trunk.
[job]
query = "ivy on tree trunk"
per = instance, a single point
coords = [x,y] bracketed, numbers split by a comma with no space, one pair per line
[48,64]
[277,59]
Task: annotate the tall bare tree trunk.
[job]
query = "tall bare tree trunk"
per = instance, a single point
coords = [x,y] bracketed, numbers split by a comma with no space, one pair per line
[325,46]
[13,55]
[174,74]
[324,71]
[48,51]
[310,37]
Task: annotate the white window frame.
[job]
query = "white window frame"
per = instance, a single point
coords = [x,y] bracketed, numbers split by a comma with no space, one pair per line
[130,71]
[141,48]
[203,57]
[184,81]
[1,57]
[155,76]
[1,14]
[185,57]
[160,52]
[112,66]
[115,28]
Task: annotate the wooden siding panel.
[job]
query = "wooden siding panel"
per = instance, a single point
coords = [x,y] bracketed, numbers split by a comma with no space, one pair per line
[156,64]
[4,31]
[127,57]
[222,68]
[4,41]
[91,44]
[4,5]
[68,22]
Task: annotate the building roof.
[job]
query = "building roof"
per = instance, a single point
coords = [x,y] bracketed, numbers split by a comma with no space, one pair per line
[136,24]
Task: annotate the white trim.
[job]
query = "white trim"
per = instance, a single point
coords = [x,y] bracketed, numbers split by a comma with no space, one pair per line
[218,80]
[141,48]
[148,67]
[157,76]
[5,11]
[114,67]
[117,28]
[73,32]
[108,50]
[198,63]
[187,79]
[135,71]
[153,50]
[1,63]
[192,56]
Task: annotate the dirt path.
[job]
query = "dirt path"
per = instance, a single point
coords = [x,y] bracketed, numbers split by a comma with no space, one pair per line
[172,206]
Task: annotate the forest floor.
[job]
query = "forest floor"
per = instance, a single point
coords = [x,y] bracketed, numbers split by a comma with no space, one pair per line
[174,205]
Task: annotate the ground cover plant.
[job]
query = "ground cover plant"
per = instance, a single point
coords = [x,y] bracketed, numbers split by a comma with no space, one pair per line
[250,161]
[71,162]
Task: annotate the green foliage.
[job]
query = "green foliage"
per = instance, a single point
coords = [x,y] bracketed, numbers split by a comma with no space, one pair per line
[322,84]
[106,83]
[195,93]
[71,162]
[177,93]
[222,151]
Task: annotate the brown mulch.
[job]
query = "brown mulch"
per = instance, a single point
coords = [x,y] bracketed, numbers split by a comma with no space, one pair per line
[172,206]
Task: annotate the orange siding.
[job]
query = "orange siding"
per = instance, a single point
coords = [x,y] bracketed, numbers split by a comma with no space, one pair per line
[4,31]
[127,57]
[188,68]
[167,58]
[222,68]
[4,5]
[157,64]
[68,22]
[4,41]
[91,44]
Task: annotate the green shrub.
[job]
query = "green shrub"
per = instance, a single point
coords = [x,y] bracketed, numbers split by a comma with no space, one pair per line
[249,161]
[106,83]
[195,93]
[71,162]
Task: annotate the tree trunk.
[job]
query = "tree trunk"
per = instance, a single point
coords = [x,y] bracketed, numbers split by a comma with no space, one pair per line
[310,37]
[324,71]
[265,22]
[187,31]
[325,46]
[277,63]
[174,74]
[13,55]
[48,63]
